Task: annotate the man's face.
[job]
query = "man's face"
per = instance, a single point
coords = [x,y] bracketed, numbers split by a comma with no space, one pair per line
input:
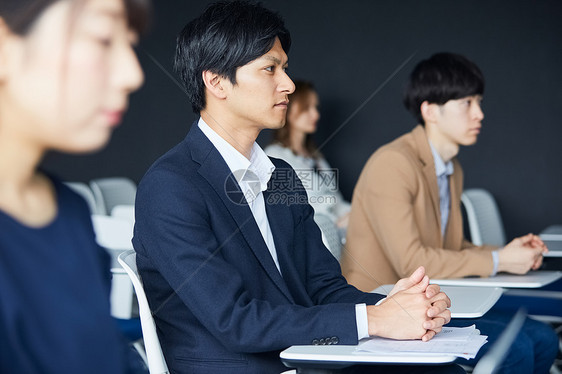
[459,121]
[260,96]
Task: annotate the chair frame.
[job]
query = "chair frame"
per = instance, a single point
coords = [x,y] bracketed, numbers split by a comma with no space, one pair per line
[475,215]
[155,356]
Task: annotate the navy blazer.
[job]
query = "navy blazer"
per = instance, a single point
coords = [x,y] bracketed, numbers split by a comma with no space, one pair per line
[219,302]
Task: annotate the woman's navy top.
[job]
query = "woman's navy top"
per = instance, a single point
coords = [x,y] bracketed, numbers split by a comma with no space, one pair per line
[54,295]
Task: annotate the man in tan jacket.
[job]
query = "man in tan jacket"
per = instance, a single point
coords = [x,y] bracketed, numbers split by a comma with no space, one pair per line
[406,205]
[405,209]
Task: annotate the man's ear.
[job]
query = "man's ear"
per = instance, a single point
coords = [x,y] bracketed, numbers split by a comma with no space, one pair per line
[214,84]
[429,111]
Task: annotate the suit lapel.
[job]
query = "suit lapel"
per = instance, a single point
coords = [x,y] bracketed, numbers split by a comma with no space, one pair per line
[281,222]
[215,170]
[426,157]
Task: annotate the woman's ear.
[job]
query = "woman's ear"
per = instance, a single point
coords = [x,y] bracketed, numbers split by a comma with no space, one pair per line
[214,84]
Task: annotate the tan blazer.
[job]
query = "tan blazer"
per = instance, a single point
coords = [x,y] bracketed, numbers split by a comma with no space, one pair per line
[394,225]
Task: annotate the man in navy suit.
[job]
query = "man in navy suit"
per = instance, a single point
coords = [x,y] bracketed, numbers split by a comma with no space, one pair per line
[232,262]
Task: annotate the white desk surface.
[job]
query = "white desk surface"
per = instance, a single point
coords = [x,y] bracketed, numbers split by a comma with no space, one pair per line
[335,356]
[552,237]
[553,229]
[533,279]
[553,253]
[554,245]
[466,302]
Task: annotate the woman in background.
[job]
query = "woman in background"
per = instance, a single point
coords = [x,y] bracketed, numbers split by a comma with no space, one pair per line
[67,68]
[294,144]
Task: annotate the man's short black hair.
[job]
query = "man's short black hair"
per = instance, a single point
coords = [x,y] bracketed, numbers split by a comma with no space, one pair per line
[442,77]
[226,36]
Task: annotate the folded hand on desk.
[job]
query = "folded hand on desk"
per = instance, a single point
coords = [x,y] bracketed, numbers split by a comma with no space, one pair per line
[521,255]
[413,310]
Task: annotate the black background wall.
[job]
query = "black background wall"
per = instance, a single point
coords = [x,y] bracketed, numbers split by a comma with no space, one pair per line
[353,50]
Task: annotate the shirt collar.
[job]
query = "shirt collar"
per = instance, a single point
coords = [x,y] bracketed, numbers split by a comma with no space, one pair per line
[252,175]
[441,168]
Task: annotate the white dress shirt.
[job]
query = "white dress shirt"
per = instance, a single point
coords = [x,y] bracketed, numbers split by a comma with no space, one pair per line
[252,177]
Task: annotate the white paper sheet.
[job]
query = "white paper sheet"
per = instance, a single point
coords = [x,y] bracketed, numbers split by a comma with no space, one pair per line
[458,341]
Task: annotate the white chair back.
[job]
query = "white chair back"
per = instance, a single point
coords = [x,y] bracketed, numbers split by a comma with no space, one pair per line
[156,361]
[115,235]
[484,220]
[83,190]
[126,212]
[110,192]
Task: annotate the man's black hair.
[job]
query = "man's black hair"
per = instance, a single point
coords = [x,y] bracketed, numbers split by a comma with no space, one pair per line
[226,36]
[442,77]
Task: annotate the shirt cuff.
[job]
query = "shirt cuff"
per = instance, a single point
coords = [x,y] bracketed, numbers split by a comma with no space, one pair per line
[496,259]
[362,321]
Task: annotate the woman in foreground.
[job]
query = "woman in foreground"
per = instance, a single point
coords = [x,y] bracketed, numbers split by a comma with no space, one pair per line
[67,68]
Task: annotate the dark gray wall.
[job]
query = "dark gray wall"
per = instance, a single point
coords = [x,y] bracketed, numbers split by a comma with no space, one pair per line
[350,49]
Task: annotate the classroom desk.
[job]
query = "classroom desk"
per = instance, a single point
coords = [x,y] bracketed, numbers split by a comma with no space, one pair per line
[330,358]
[554,248]
[533,279]
[466,302]
[552,237]
[553,243]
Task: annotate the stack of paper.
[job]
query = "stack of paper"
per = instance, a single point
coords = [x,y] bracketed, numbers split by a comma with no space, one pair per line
[455,341]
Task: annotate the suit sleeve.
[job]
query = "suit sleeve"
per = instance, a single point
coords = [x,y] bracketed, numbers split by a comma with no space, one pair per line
[387,197]
[175,230]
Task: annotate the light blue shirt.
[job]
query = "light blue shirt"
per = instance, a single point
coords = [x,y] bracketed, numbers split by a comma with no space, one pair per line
[443,171]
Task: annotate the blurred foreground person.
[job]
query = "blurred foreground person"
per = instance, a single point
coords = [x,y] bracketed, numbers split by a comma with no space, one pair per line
[66,71]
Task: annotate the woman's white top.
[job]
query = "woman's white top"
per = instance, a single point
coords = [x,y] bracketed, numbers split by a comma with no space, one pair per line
[321,183]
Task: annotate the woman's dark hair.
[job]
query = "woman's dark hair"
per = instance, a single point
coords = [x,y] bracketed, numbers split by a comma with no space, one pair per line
[226,36]
[20,15]
[442,77]
[301,97]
